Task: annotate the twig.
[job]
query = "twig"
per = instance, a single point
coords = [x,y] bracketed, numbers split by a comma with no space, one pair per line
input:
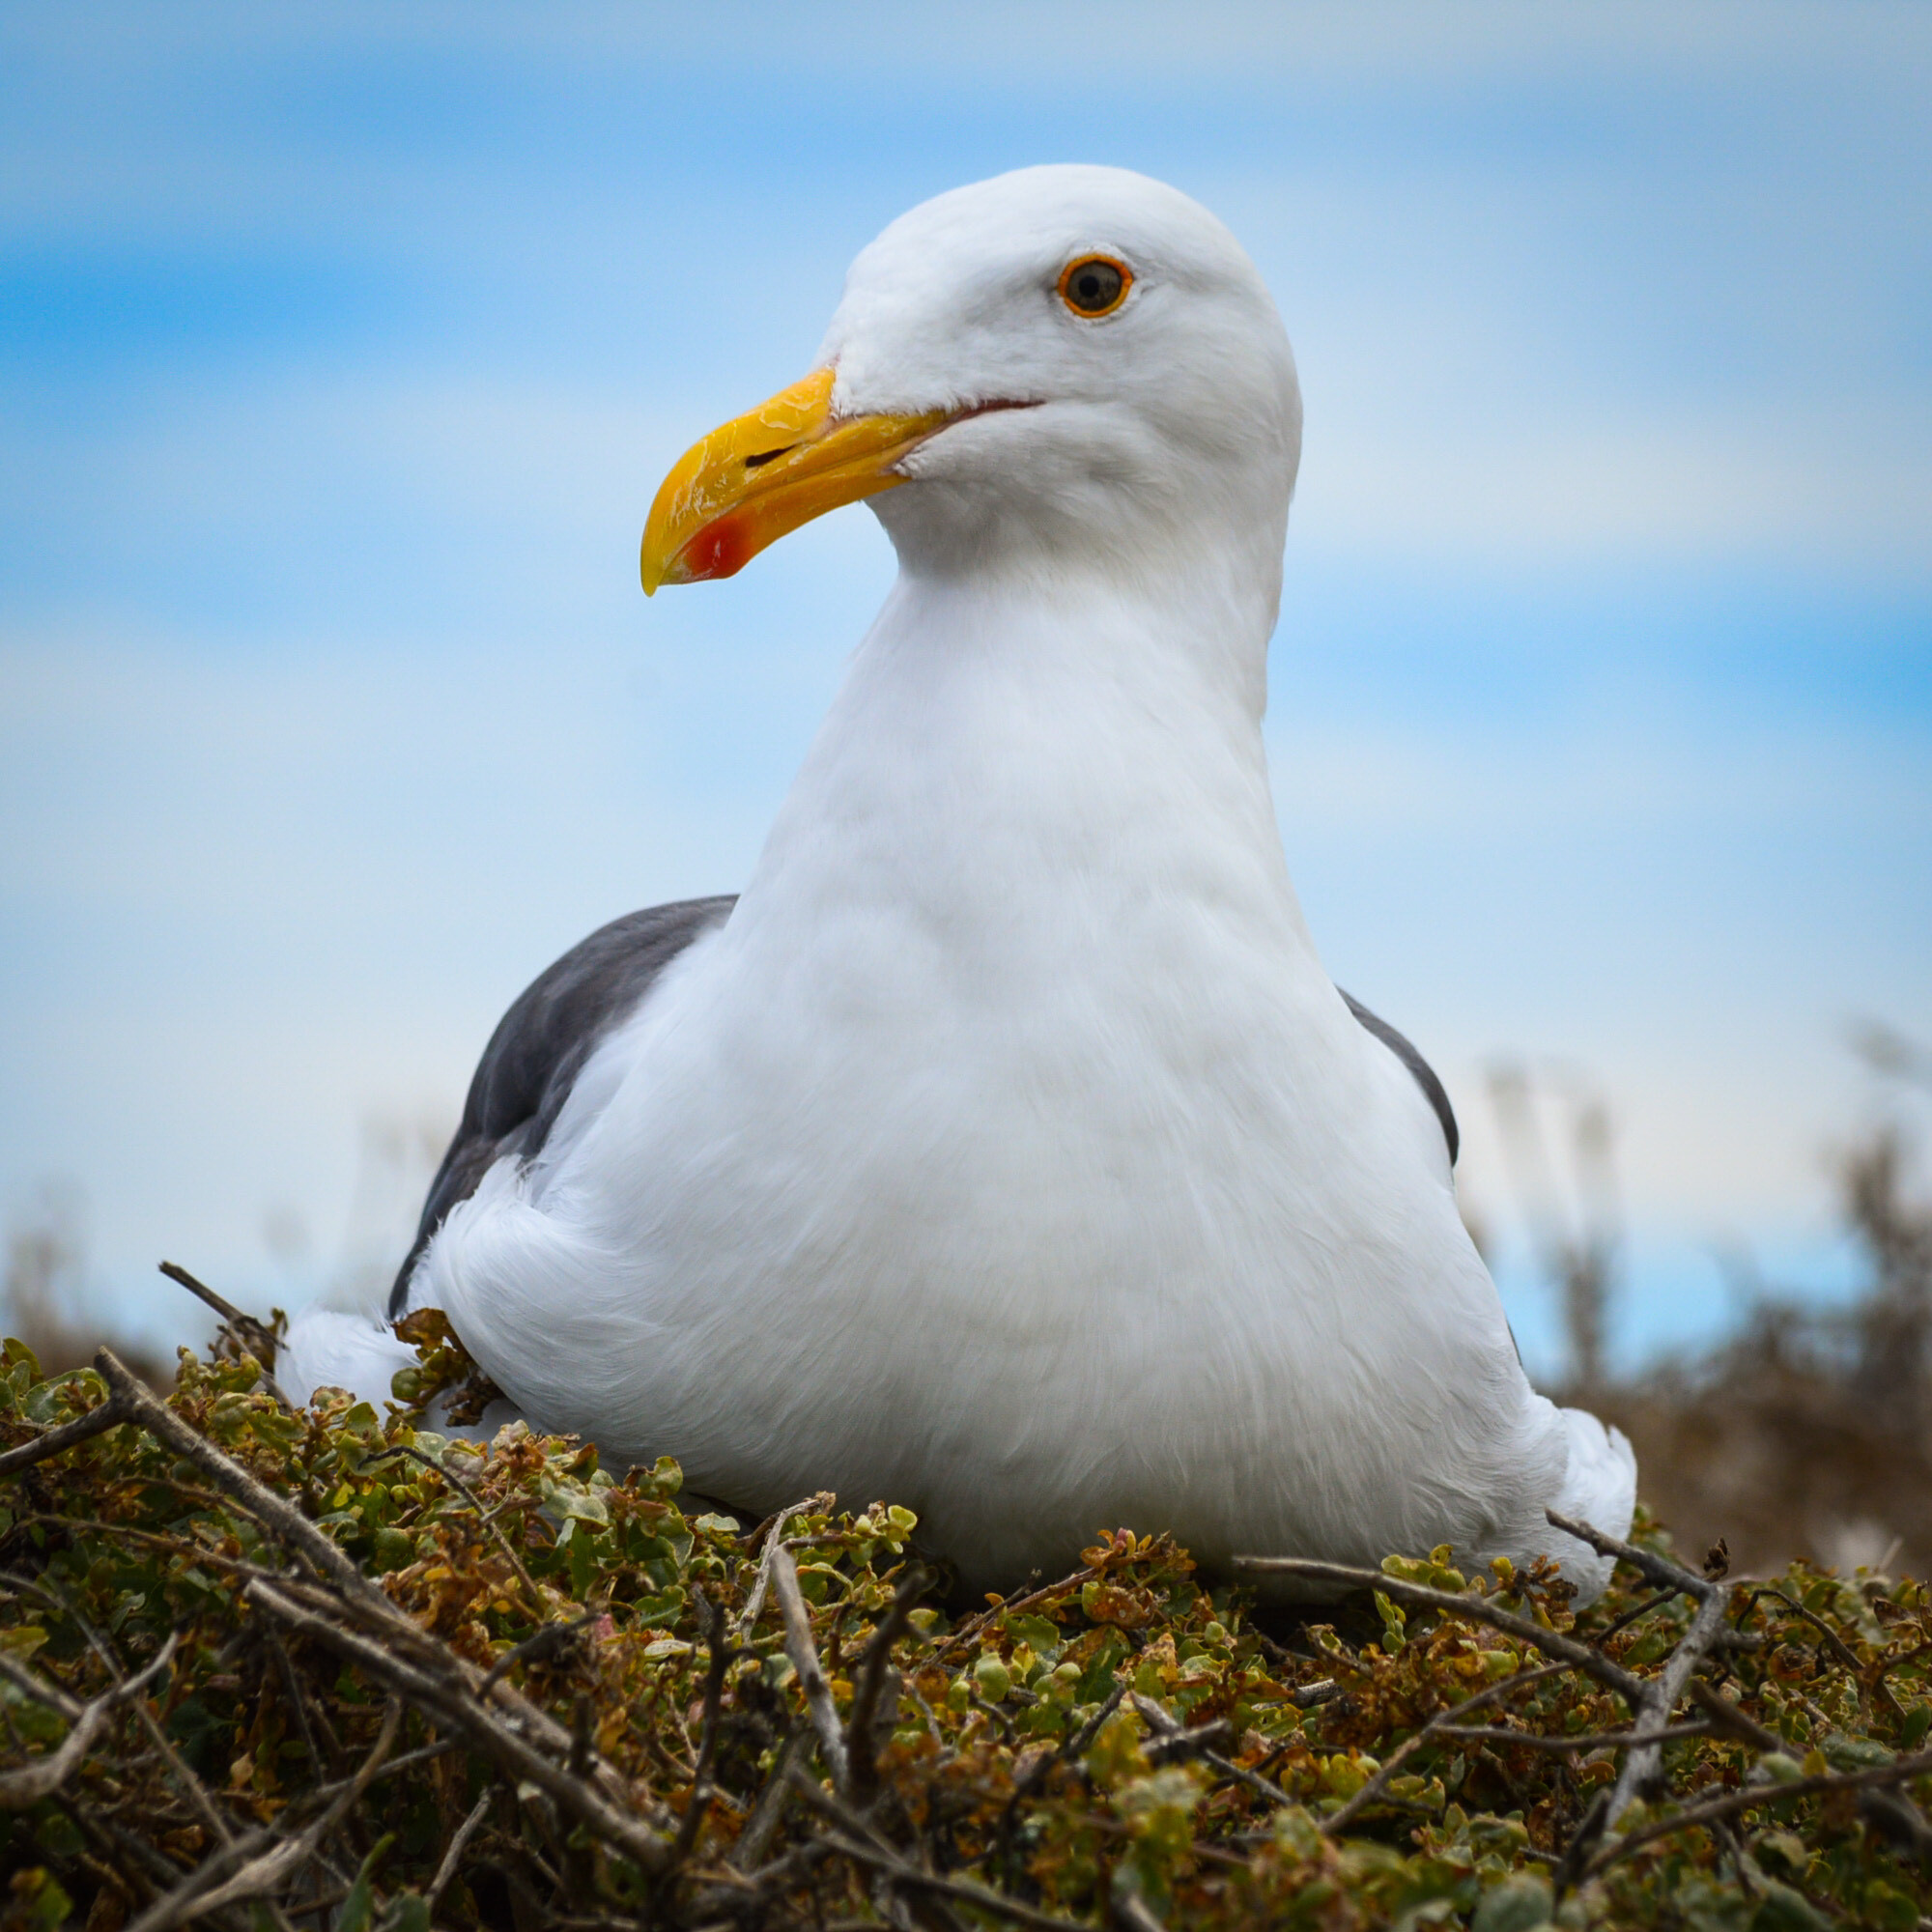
[1339,1821]
[40,1689]
[1076,1746]
[422,1754]
[1898,1772]
[453,1856]
[42,1776]
[183,1774]
[981,1618]
[1032,1772]
[1891,1664]
[1567,1872]
[454,1708]
[1502,1734]
[854,1840]
[1660,1572]
[197,1794]
[1178,1742]
[359,1594]
[257,1337]
[267,1869]
[1725,1716]
[1641,1767]
[1840,1648]
[931,1722]
[1631,1617]
[861,1752]
[261,1502]
[717,1663]
[437,1672]
[804,1655]
[769,1808]
[488,1518]
[1262,1787]
[1136,1914]
[98,1420]
[994,1716]
[297,1696]
[771,1530]
[1478,1610]
[536,1649]
[1173,1739]
[1659,1697]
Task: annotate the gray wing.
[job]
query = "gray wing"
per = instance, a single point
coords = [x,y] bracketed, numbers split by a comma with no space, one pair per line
[540,1046]
[1433,1089]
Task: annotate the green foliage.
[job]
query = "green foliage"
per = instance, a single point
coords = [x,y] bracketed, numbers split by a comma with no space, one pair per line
[1127,1745]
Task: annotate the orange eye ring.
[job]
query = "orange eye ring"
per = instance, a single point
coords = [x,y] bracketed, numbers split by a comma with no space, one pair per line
[1095,285]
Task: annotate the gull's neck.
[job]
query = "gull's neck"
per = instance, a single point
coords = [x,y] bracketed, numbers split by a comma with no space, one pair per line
[1016,740]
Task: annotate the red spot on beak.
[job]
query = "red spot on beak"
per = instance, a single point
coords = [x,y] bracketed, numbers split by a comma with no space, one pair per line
[718,549]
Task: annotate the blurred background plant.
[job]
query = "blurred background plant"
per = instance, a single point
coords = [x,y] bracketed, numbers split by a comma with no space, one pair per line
[45,1298]
[1805,1429]
[50,1301]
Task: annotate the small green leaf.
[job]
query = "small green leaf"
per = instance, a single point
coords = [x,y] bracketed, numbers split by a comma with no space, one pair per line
[1516,1905]
[1888,1909]
[354,1915]
[1040,1637]
[409,1913]
[1395,1623]
[39,1904]
[393,1550]
[1848,1754]
[992,1677]
[1784,1910]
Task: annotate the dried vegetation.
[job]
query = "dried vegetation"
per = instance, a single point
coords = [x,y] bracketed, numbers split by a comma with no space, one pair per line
[263,1668]
[1809,1428]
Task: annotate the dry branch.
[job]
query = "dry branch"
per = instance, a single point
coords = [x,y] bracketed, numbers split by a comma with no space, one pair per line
[804,1655]
[97,1421]
[1552,1644]
[256,1337]
[588,1665]
[35,1780]
[500,1739]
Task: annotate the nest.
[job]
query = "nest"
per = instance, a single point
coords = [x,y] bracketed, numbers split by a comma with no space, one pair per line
[269,1667]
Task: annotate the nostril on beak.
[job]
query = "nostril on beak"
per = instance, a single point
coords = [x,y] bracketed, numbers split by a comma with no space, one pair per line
[759,461]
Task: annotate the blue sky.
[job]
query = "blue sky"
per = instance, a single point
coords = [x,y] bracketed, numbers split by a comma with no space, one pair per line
[342,349]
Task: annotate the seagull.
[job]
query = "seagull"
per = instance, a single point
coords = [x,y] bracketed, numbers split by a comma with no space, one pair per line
[1004,1148]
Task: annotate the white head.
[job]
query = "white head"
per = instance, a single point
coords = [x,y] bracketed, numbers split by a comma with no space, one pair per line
[1171,413]
[1066,366]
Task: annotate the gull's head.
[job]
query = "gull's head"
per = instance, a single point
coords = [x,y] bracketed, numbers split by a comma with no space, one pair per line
[1059,365]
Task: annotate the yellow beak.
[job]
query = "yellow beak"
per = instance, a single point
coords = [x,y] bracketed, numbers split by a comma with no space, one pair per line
[745,484]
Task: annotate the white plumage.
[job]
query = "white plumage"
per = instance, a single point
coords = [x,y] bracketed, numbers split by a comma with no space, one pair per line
[1007,1151]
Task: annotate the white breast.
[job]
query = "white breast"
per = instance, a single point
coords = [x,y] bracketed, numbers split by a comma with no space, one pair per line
[1010,1140]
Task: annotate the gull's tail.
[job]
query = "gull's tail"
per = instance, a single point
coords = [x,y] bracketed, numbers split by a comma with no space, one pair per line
[328,1347]
[358,1350]
[1600,1488]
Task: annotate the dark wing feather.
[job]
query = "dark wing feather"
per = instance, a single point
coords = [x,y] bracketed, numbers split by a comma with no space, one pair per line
[540,1046]
[1433,1089]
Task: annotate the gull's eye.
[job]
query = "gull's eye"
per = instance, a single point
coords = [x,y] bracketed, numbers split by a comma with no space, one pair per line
[1095,285]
